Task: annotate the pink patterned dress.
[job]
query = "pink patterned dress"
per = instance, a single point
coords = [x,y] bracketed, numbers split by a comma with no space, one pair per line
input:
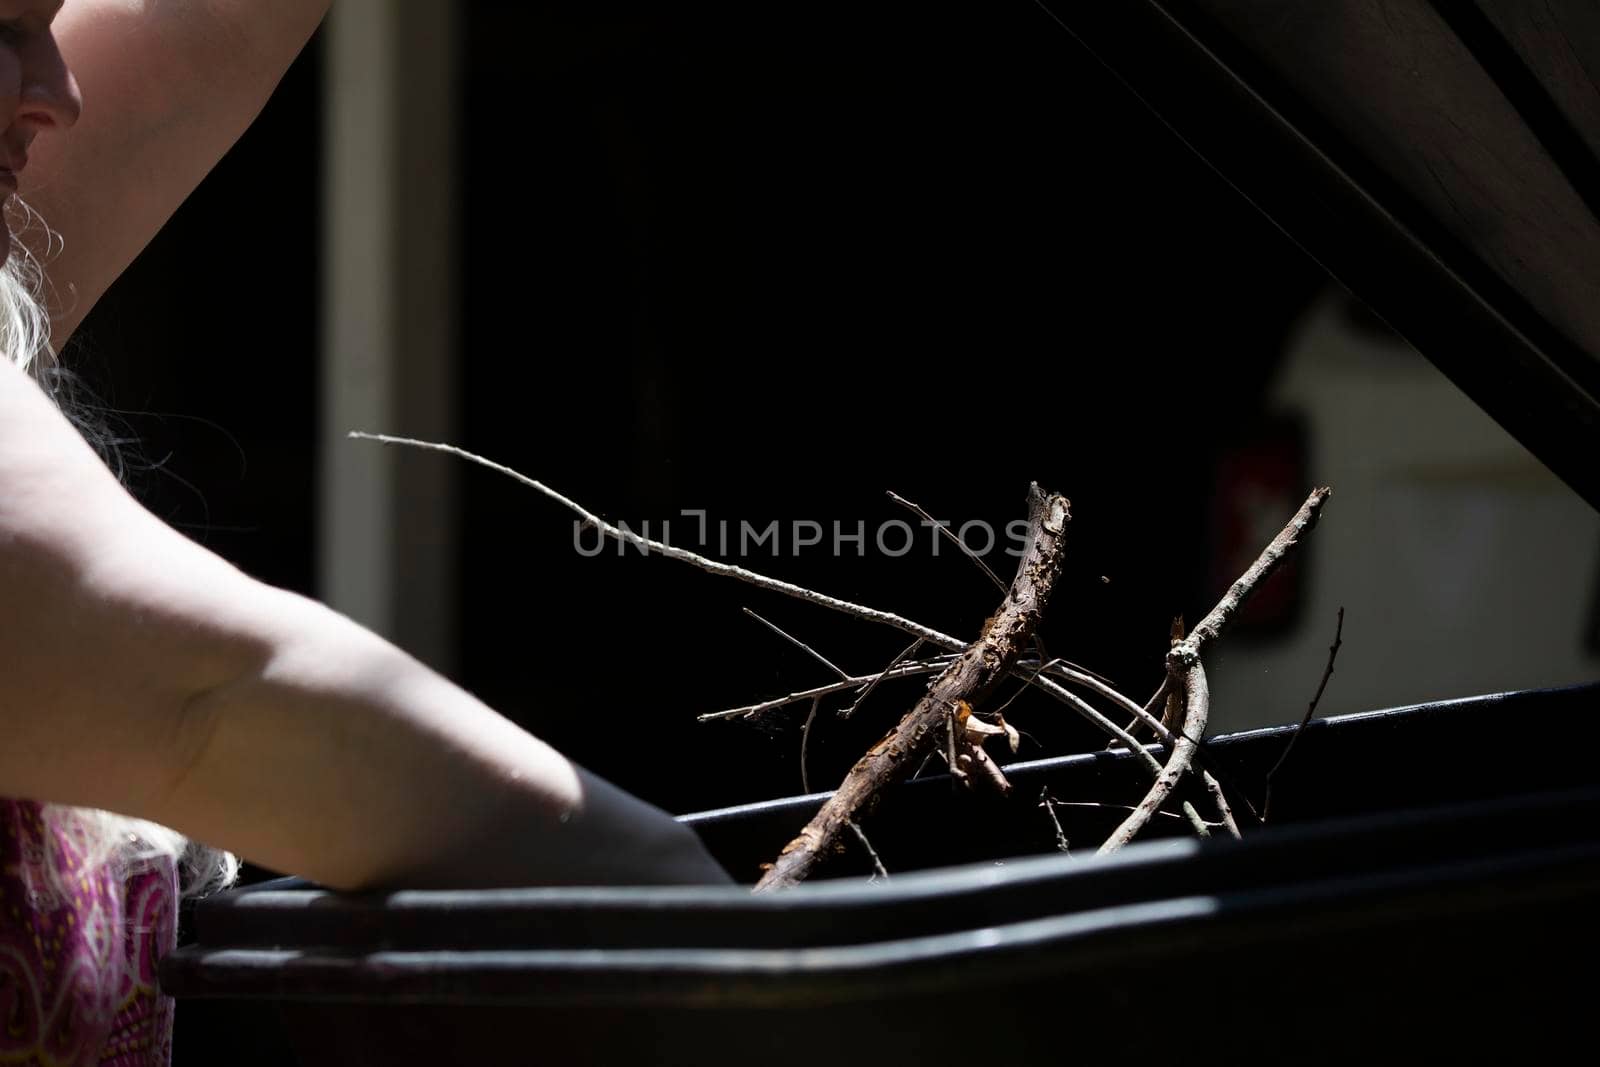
[78,951]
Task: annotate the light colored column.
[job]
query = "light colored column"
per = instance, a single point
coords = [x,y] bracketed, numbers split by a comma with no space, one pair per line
[387,518]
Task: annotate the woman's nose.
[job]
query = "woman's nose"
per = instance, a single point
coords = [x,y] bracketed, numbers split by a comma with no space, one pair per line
[50,95]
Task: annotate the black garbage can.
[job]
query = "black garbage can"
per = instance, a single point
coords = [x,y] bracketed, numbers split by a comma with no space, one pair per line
[1428,887]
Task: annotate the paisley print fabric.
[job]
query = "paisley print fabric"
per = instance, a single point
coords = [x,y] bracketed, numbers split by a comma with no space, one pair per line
[79,948]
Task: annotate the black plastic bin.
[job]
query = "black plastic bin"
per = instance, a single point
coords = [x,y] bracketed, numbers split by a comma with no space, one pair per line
[1430,888]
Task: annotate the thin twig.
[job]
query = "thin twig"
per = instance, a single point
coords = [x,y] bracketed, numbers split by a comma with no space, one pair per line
[816,702]
[905,670]
[1311,709]
[710,566]
[957,775]
[1220,799]
[1146,716]
[845,713]
[1117,807]
[795,641]
[877,864]
[1088,711]
[1059,668]
[805,745]
[1027,683]
[1048,803]
[1271,558]
[944,528]
[1084,671]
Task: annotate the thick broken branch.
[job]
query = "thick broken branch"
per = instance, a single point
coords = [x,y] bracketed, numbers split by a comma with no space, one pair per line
[971,677]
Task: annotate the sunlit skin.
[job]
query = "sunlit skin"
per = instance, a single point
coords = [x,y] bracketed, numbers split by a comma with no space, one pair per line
[141,673]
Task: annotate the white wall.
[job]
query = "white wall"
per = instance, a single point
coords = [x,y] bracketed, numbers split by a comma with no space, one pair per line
[1465,566]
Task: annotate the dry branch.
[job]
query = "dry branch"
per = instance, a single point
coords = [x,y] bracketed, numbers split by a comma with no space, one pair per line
[710,566]
[878,869]
[1186,676]
[1271,558]
[971,677]
[796,642]
[1189,679]
[1048,803]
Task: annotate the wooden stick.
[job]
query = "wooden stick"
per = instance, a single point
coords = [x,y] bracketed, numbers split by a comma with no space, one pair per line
[1048,803]
[1189,678]
[710,566]
[879,870]
[1186,676]
[971,677]
[904,670]
[1271,558]
[797,643]
[845,713]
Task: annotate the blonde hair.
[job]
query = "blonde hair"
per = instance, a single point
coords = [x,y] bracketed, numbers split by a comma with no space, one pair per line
[124,842]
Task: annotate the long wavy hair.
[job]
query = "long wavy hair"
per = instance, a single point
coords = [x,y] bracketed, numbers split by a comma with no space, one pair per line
[102,836]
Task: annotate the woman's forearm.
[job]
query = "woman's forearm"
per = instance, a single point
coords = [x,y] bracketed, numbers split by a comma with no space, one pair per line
[347,761]
[143,674]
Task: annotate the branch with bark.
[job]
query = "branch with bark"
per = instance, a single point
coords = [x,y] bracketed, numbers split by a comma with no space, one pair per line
[1186,678]
[970,678]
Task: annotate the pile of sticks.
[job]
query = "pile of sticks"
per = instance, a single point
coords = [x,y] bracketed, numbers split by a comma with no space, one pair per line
[949,721]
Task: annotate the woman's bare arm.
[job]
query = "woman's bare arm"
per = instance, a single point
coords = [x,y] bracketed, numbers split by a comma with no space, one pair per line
[168,86]
[142,674]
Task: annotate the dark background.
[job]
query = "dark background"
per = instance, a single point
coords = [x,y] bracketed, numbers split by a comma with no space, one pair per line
[767,262]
